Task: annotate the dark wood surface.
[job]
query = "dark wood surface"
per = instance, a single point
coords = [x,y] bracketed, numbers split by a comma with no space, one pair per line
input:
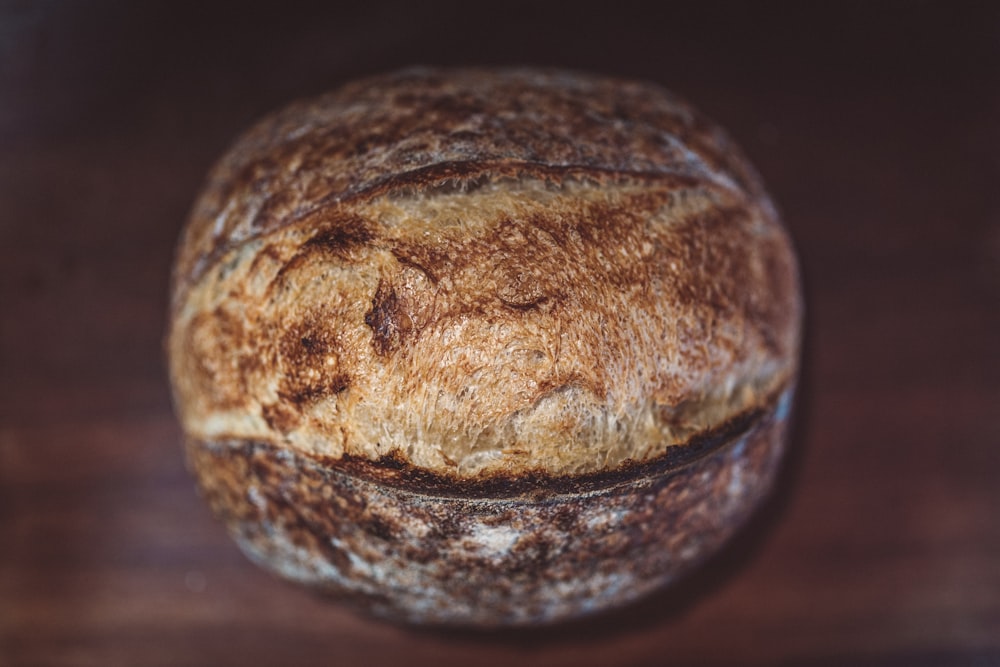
[876,127]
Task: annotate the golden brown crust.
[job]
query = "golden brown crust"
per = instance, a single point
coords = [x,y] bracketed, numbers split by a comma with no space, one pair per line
[482,272]
[420,127]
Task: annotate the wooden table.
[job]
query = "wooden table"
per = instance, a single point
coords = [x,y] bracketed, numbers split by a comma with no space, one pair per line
[877,128]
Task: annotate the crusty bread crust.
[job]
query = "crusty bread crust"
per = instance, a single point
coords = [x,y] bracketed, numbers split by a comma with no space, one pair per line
[479,272]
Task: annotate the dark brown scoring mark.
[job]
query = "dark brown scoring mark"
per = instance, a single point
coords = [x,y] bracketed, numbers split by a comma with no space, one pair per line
[339,237]
[369,134]
[647,519]
[342,236]
[525,306]
[394,470]
[388,320]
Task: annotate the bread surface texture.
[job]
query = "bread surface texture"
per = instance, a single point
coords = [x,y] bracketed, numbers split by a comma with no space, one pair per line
[481,271]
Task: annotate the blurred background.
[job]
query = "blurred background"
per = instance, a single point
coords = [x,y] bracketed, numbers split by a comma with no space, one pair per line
[876,126]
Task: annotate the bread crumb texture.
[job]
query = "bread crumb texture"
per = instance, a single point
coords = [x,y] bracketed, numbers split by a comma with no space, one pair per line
[481,271]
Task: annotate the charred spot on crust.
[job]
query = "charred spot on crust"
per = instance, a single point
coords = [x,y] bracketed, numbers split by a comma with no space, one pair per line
[343,236]
[388,320]
[309,355]
[308,393]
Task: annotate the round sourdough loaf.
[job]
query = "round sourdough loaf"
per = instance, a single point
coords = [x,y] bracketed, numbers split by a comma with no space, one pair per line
[484,346]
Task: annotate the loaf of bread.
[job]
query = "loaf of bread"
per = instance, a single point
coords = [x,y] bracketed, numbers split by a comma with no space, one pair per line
[439,338]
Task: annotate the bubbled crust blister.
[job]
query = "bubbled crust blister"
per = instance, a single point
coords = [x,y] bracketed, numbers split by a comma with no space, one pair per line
[479,272]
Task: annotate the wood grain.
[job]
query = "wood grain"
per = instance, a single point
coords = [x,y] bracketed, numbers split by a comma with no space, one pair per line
[877,130]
